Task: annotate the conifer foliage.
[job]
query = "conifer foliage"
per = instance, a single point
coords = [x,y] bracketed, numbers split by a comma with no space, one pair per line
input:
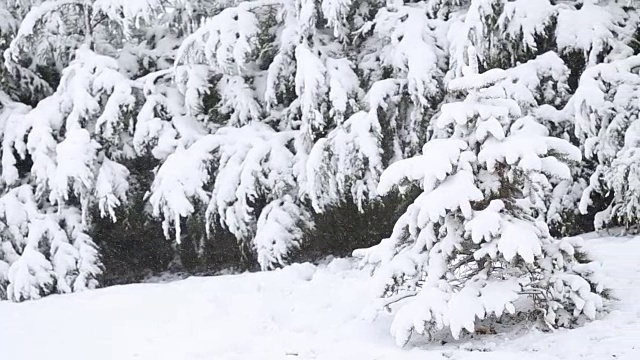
[60,157]
[606,110]
[475,241]
[493,120]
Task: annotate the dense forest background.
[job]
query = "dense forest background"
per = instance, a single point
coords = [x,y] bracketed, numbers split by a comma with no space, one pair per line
[195,136]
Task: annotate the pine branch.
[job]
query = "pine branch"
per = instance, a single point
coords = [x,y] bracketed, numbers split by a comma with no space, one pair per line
[386,302]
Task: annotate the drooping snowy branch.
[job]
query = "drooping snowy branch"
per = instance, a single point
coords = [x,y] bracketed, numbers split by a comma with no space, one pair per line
[232,172]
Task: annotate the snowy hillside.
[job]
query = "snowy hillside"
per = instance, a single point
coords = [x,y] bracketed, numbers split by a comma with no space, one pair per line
[300,312]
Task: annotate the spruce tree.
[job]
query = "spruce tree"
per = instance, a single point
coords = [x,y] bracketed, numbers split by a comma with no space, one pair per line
[475,240]
[63,156]
[606,111]
[260,117]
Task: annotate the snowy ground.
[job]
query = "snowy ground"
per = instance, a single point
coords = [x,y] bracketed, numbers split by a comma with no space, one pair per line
[302,312]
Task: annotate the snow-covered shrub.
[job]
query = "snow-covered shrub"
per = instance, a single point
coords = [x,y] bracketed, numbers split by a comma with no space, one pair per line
[475,241]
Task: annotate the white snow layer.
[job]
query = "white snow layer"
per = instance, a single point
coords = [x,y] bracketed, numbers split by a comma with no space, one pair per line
[300,312]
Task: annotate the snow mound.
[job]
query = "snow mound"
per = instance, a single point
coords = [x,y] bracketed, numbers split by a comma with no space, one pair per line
[298,312]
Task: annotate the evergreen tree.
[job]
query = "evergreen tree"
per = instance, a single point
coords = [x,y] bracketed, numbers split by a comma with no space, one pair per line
[71,140]
[308,81]
[606,110]
[61,157]
[262,119]
[475,241]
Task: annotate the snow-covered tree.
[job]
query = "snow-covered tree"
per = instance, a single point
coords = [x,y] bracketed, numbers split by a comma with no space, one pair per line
[11,15]
[253,63]
[357,81]
[246,179]
[301,67]
[69,144]
[8,25]
[43,252]
[503,32]
[402,62]
[68,151]
[597,30]
[475,241]
[606,109]
[506,32]
[262,119]
[52,30]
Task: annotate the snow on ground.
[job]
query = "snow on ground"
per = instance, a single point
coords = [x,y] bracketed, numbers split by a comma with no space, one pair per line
[301,312]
